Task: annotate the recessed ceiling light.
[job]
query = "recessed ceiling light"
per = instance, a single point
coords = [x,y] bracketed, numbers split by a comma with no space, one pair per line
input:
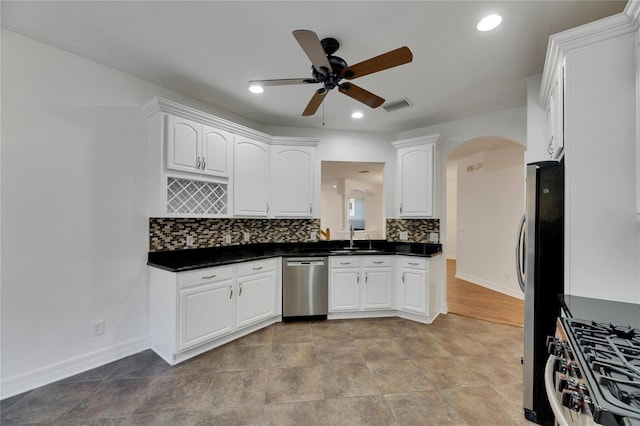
[256,88]
[489,22]
[357,114]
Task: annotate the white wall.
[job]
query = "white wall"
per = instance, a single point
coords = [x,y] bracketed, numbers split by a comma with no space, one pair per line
[74,218]
[490,200]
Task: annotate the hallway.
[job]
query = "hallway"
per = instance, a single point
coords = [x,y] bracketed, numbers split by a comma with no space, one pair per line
[474,301]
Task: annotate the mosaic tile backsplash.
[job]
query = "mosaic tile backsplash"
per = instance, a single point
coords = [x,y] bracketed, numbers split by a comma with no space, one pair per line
[171,233]
[418,229]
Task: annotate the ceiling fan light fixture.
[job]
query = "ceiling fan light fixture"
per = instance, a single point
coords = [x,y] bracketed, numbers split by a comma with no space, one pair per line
[255,88]
[357,114]
[489,22]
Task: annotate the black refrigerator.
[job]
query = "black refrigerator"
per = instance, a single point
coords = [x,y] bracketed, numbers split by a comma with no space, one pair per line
[540,259]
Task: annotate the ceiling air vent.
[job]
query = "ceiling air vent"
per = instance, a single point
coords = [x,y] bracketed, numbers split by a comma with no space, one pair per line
[392,106]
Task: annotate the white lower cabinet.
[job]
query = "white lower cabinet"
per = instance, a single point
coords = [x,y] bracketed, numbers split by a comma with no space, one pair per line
[206,310]
[412,286]
[360,283]
[417,287]
[257,291]
[195,311]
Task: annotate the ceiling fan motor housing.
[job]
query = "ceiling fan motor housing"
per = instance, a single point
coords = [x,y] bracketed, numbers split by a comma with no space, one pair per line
[330,79]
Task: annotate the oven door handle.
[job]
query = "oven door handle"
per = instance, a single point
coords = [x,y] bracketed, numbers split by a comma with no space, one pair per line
[551,391]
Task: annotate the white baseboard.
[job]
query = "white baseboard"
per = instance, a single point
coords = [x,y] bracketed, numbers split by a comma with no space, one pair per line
[61,370]
[516,293]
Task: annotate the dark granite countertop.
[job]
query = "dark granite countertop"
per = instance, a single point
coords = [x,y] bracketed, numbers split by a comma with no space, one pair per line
[189,259]
[603,311]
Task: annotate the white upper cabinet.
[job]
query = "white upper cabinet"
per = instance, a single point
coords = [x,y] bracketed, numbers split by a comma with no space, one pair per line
[217,152]
[416,177]
[196,148]
[292,181]
[251,178]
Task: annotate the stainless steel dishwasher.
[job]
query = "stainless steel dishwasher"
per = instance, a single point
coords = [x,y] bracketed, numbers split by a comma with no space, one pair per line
[305,288]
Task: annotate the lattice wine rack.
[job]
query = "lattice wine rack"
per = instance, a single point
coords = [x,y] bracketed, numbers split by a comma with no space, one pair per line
[186,196]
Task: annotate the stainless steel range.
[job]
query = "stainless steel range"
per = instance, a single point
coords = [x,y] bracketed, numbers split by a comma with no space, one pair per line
[593,373]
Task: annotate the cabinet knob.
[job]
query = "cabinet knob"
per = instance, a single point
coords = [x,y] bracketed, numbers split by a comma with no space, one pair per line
[366,277]
[310,208]
[230,292]
[198,163]
[401,208]
[358,277]
[204,163]
[209,277]
[240,291]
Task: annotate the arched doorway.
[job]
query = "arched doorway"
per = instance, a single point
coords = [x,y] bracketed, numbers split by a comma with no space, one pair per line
[484,203]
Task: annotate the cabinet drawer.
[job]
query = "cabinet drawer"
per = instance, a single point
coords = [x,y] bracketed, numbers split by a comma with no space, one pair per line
[344,262]
[414,262]
[374,261]
[202,276]
[256,267]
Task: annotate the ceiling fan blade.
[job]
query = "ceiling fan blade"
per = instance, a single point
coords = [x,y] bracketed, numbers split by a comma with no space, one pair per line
[359,94]
[385,61]
[282,81]
[315,102]
[311,45]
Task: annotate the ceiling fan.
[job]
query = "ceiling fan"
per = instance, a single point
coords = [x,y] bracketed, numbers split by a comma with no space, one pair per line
[330,70]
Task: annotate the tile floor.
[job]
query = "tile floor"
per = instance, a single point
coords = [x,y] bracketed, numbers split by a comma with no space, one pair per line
[389,371]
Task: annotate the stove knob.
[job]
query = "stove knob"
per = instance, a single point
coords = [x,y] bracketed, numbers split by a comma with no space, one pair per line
[567,384]
[584,390]
[555,347]
[560,365]
[575,370]
[572,400]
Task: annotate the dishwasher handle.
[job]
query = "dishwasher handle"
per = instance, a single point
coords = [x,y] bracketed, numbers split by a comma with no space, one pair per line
[306,262]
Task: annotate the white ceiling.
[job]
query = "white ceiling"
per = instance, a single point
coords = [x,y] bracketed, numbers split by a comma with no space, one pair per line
[209,50]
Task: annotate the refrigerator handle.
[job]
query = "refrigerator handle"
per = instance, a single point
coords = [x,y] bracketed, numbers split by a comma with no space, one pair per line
[520,252]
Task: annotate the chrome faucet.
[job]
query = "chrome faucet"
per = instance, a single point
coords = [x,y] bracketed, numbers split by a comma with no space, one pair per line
[351,233]
[368,239]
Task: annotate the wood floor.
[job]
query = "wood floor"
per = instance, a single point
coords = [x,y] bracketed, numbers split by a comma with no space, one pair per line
[471,300]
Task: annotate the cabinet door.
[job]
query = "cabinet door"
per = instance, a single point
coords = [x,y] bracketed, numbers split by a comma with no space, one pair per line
[251,178]
[205,313]
[216,153]
[413,291]
[344,294]
[256,298]
[416,181]
[377,288]
[292,181]
[183,140]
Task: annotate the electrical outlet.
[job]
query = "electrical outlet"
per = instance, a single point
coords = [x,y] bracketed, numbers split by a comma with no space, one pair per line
[98,327]
[313,236]
[404,235]
[434,237]
[189,240]
[227,239]
[247,236]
